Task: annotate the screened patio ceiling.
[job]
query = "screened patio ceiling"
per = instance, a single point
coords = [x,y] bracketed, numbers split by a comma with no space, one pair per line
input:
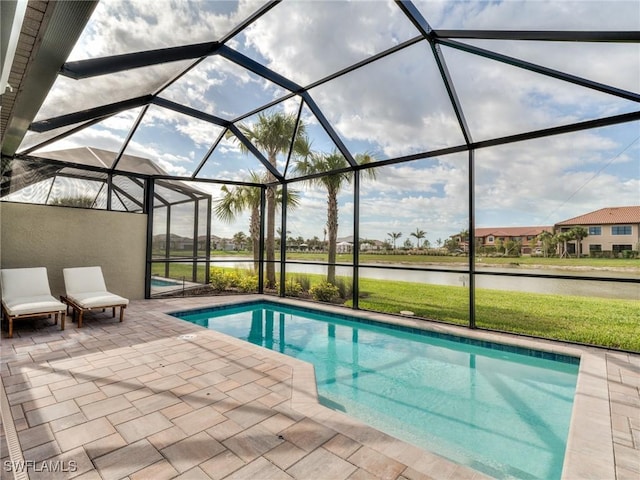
[177,82]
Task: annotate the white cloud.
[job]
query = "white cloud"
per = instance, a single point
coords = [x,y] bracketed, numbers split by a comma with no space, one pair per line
[395,106]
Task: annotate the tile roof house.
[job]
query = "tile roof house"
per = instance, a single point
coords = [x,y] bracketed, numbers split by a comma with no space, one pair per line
[611,229]
[498,236]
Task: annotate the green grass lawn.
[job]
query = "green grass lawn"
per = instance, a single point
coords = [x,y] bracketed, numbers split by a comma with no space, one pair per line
[598,321]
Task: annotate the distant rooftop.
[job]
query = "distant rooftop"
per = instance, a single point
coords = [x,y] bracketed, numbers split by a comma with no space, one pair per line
[607,215]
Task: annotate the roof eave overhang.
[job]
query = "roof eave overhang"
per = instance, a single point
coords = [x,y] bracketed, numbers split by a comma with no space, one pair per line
[59,31]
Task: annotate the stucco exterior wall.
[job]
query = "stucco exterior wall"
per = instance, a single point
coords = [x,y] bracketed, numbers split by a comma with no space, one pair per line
[607,240]
[59,237]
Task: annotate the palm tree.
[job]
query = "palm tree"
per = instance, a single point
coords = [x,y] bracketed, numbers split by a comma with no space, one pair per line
[563,238]
[545,238]
[272,134]
[579,233]
[394,236]
[419,234]
[333,182]
[239,240]
[244,197]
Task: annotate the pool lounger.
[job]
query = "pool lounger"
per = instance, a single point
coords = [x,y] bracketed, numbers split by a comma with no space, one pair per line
[86,291]
[26,294]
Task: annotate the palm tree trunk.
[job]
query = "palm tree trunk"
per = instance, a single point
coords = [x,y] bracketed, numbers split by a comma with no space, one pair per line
[254,231]
[332,227]
[270,242]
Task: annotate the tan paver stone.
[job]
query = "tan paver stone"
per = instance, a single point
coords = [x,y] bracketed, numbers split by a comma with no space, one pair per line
[127,460]
[342,446]
[192,451]
[138,394]
[39,403]
[411,474]
[105,407]
[307,434]
[158,471]
[248,414]
[246,376]
[222,465]
[277,422]
[436,467]
[72,464]
[124,415]
[284,455]
[199,420]
[185,389]
[93,397]
[75,391]
[165,383]
[154,402]
[207,379]
[176,410]
[12,380]
[32,437]
[321,464]
[51,412]
[226,404]
[172,368]
[144,426]
[52,378]
[230,385]
[167,437]
[362,474]
[376,463]
[104,445]
[627,458]
[64,384]
[194,474]
[122,388]
[85,433]
[28,395]
[42,451]
[67,422]
[204,397]
[252,442]
[248,392]
[16,387]
[259,468]
[624,474]
[224,430]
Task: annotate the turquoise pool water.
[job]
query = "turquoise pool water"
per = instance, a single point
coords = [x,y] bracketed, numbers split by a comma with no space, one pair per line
[157,282]
[502,410]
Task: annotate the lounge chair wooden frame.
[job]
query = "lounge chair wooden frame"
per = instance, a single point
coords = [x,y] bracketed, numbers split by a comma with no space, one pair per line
[10,318]
[29,287]
[86,291]
[80,310]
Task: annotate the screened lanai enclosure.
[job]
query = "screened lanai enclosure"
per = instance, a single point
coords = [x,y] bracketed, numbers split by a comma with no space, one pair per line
[404,157]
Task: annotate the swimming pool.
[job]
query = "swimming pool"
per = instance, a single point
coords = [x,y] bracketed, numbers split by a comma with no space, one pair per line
[158,282]
[499,409]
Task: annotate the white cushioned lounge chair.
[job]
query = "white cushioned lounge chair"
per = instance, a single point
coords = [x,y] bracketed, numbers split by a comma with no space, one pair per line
[26,294]
[86,290]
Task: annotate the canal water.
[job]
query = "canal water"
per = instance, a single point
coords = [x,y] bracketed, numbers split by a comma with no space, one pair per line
[559,286]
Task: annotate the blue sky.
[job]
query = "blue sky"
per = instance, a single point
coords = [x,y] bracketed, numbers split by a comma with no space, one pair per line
[394,107]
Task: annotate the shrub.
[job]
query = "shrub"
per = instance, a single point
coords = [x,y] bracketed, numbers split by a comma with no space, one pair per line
[248,283]
[218,280]
[304,281]
[324,292]
[345,288]
[292,288]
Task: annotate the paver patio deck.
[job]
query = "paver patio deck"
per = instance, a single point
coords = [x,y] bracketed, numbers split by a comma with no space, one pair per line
[156,397]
